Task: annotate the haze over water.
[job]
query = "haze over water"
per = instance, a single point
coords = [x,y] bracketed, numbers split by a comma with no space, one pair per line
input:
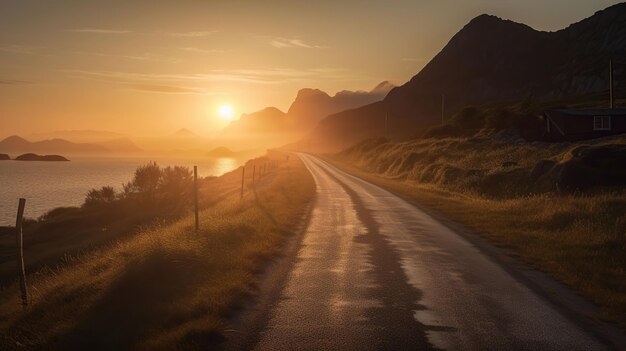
[47,185]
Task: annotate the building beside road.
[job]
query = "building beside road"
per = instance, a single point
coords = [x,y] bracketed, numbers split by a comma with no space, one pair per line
[573,125]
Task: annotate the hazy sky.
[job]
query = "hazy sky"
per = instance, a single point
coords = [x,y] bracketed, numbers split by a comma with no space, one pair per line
[152,67]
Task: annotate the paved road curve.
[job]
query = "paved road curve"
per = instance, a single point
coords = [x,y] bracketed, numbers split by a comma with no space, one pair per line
[376,273]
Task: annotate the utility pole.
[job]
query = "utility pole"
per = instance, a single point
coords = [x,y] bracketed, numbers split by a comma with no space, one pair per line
[611,102]
[253,174]
[195,196]
[20,251]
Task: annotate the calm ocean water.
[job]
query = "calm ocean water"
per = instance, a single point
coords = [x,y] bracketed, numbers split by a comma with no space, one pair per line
[47,185]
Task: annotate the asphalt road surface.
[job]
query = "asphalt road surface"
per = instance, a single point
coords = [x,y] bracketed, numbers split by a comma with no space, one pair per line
[376,273]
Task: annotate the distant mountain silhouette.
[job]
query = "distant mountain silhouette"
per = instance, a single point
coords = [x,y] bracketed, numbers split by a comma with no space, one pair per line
[4,157]
[78,136]
[120,145]
[312,105]
[185,133]
[16,144]
[266,128]
[491,59]
[269,120]
[271,127]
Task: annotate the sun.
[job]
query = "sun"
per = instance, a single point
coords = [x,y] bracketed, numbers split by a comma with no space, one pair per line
[226,112]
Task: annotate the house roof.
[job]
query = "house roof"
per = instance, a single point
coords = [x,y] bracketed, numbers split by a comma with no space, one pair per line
[591,112]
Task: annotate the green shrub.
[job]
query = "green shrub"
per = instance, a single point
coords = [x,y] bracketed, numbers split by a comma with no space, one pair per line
[104,195]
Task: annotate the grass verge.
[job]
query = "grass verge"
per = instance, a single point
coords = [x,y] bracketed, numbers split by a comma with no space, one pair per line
[167,287]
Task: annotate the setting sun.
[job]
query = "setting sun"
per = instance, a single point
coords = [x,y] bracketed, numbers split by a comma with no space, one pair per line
[226,112]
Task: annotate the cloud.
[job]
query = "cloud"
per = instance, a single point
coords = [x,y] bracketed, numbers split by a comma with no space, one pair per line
[168,89]
[190,34]
[194,34]
[282,43]
[199,81]
[141,57]
[155,83]
[279,75]
[205,51]
[13,82]
[21,49]
[98,31]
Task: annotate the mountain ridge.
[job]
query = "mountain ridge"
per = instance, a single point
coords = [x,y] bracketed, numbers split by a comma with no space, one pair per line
[17,144]
[270,127]
[490,59]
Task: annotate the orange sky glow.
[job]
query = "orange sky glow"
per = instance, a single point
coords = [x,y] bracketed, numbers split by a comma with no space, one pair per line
[153,67]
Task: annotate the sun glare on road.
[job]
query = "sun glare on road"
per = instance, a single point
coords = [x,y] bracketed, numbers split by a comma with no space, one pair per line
[226,112]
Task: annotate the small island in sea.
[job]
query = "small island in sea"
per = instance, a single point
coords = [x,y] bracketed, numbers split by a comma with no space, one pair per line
[35,157]
[4,157]
[221,151]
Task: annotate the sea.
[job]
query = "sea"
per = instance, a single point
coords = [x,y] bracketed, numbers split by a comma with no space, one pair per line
[47,185]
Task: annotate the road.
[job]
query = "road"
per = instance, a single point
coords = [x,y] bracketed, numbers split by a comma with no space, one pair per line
[376,273]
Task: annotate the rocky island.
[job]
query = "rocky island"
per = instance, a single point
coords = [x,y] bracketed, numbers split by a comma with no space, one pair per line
[4,157]
[35,157]
[221,152]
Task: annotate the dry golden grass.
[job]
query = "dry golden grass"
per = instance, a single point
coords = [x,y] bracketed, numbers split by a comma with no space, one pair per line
[488,164]
[571,237]
[167,287]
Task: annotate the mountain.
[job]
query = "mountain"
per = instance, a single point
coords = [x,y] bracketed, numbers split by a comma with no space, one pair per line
[120,145]
[312,105]
[269,120]
[16,144]
[491,59]
[115,142]
[78,136]
[266,128]
[271,127]
[185,133]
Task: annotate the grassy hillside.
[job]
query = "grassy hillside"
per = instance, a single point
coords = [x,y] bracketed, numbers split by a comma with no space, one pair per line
[167,287]
[556,206]
[154,195]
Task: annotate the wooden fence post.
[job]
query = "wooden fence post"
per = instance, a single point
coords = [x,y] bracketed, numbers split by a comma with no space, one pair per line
[20,251]
[195,196]
[243,177]
[253,174]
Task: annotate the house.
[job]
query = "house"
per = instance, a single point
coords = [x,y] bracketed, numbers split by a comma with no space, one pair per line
[572,125]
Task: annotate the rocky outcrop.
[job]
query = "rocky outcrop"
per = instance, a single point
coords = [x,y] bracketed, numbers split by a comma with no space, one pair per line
[585,168]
